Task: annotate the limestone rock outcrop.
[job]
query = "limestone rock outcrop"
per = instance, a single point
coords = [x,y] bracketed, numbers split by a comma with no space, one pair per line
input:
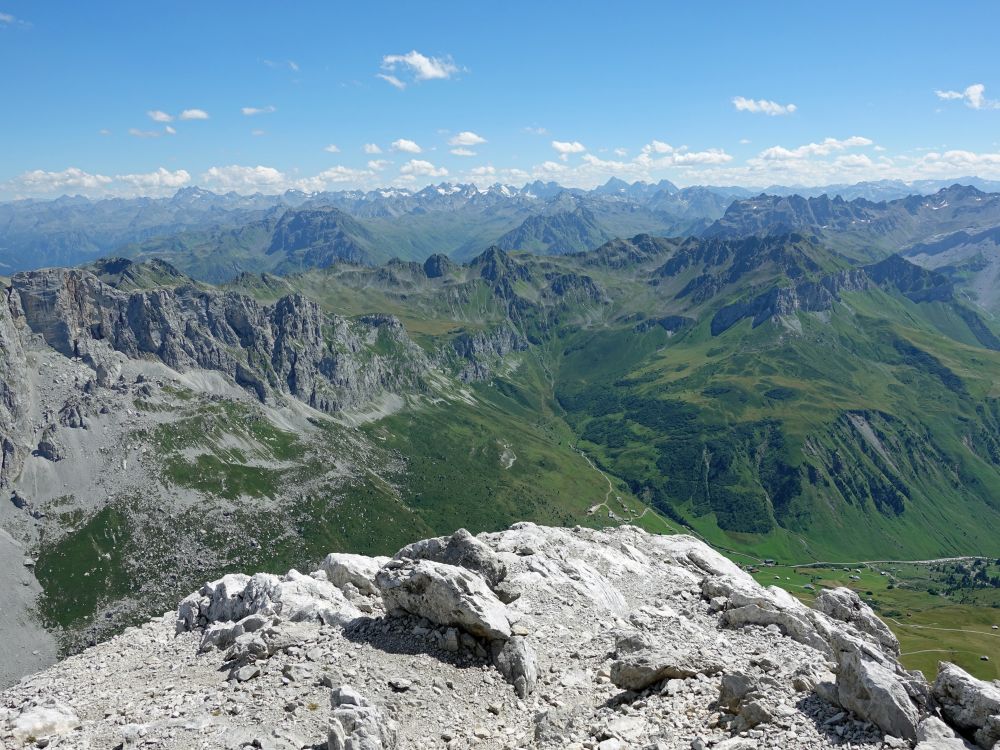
[618,639]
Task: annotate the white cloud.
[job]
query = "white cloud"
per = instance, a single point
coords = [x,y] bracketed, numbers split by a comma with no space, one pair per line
[161,178]
[250,111]
[974,96]
[657,147]
[744,141]
[569,147]
[104,131]
[620,152]
[824,148]
[484,171]
[854,161]
[421,168]
[957,160]
[236,177]
[391,80]
[371,148]
[711,156]
[169,130]
[157,115]
[535,130]
[332,148]
[334,176]
[565,148]
[466,138]
[7,18]
[193,114]
[550,168]
[40,181]
[257,132]
[419,67]
[137,133]
[463,152]
[405,144]
[378,164]
[762,106]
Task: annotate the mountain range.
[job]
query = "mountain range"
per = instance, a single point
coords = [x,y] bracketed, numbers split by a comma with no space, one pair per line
[215,237]
[801,378]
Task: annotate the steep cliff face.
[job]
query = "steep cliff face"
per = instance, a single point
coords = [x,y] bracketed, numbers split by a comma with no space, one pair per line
[807,296]
[483,351]
[291,347]
[12,381]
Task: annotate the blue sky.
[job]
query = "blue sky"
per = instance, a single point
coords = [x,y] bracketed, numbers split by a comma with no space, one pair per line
[115,98]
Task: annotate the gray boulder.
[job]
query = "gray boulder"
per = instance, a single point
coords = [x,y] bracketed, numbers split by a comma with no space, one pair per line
[640,669]
[357,725]
[846,606]
[359,570]
[970,705]
[934,734]
[461,549]
[444,594]
[518,663]
[873,691]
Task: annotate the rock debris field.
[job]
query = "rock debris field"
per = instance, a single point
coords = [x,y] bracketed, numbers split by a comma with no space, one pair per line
[528,638]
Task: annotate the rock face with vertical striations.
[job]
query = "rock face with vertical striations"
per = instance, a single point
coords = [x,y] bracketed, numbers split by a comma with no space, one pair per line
[289,348]
[12,381]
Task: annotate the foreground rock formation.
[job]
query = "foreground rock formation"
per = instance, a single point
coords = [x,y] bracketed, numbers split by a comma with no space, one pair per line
[528,638]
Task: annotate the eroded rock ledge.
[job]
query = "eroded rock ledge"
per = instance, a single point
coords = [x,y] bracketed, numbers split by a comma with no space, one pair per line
[527,638]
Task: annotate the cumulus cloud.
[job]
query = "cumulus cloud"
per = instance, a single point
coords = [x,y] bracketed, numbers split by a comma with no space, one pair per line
[157,115]
[378,165]
[854,161]
[169,130]
[620,152]
[463,152]
[236,177]
[40,181]
[711,156]
[333,176]
[535,130]
[657,147]
[7,18]
[418,67]
[466,138]
[161,178]
[251,111]
[137,133]
[371,148]
[406,145]
[823,148]
[661,155]
[332,148]
[74,179]
[974,96]
[565,148]
[484,171]
[193,114]
[762,106]
[958,160]
[421,168]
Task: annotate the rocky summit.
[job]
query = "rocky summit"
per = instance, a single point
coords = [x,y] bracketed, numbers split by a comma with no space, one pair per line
[533,637]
